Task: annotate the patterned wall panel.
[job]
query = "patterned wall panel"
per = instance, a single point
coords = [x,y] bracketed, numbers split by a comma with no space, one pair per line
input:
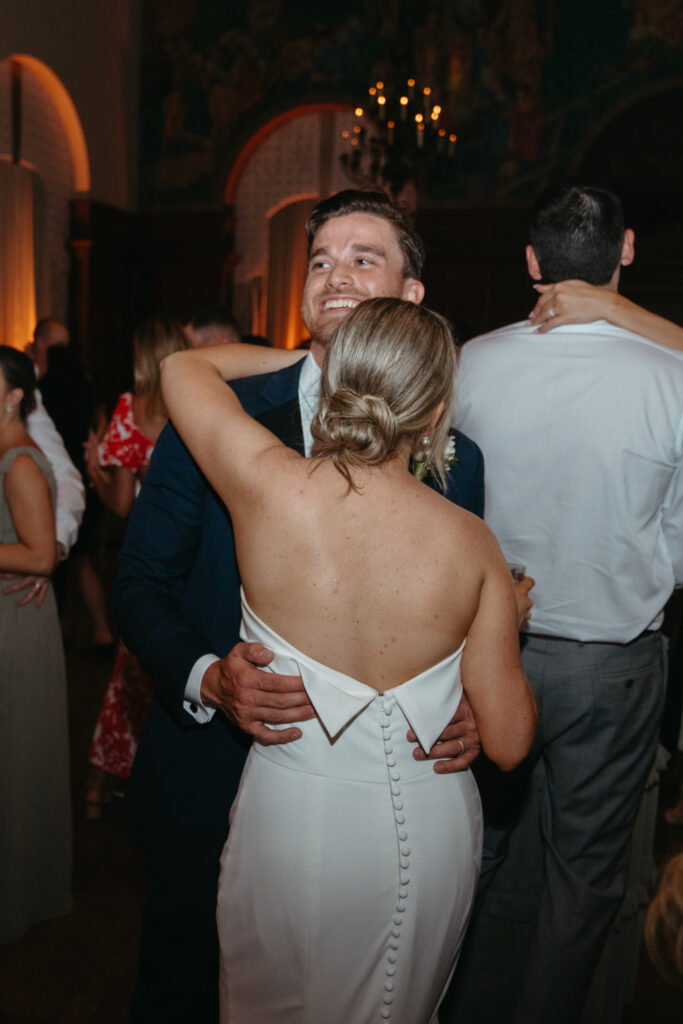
[294,162]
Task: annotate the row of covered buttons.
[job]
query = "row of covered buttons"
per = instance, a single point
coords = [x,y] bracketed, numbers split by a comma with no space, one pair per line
[386,708]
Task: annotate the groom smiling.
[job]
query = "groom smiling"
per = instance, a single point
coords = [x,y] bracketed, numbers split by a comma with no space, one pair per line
[177,601]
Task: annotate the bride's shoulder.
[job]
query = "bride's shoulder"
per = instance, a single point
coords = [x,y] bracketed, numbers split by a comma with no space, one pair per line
[466,527]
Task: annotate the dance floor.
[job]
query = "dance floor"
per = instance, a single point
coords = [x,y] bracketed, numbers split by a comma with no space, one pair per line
[81,968]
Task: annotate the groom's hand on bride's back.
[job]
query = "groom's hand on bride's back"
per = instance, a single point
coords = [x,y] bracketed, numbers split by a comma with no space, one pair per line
[457,746]
[254,699]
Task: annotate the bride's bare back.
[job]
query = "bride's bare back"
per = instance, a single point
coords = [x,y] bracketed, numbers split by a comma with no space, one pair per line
[378,583]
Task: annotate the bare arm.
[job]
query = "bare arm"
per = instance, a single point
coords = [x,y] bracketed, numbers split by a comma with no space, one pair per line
[459,744]
[28,497]
[115,485]
[573,302]
[492,674]
[235,362]
[224,440]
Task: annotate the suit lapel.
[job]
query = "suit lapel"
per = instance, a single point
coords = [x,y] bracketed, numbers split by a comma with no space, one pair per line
[285,422]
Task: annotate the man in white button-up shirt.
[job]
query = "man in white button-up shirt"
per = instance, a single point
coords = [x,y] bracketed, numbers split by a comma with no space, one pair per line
[582,435]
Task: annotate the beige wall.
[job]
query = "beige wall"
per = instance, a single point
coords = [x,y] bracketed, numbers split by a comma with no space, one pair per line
[93,46]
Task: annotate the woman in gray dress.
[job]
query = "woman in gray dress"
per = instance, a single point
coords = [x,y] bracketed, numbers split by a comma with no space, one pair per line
[35,808]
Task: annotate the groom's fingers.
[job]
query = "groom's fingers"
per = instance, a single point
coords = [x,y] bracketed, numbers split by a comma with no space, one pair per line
[273,737]
[455,750]
[254,699]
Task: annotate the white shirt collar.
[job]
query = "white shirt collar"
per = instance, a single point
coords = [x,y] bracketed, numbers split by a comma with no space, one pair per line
[309,391]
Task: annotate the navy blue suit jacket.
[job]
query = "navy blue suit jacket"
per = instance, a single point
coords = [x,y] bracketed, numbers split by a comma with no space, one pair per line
[176,598]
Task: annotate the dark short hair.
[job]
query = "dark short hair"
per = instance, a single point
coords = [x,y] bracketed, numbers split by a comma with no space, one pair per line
[577,231]
[379,204]
[44,326]
[214,316]
[17,369]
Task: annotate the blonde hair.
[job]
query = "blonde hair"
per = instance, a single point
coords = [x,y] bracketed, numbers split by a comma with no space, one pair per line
[155,337]
[386,369]
[664,923]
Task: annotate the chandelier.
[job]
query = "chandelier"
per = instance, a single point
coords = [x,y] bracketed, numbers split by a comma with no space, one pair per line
[398,137]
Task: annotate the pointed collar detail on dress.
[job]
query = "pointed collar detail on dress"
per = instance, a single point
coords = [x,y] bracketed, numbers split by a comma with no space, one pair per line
[338,699]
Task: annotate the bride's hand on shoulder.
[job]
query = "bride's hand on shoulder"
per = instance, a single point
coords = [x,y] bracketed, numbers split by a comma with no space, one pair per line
[253,699]
[571,302]
[457,746]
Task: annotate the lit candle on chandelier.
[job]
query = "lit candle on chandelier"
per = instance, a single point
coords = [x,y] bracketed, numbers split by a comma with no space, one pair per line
[390,126]
[358,111]
[404,107]
[382,105]
[451,144]
[420,129]
[411,87]
[442,140]
[436,110]
[426,93]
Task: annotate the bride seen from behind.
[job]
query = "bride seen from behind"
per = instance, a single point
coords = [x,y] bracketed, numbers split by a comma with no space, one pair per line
[344,851]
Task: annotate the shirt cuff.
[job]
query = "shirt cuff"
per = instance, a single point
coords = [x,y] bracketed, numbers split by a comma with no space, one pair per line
[193,690]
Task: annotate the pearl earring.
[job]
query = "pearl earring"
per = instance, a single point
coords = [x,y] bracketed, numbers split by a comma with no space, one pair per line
[425,448]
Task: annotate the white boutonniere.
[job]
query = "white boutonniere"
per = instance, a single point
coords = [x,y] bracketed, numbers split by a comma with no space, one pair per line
[421,468]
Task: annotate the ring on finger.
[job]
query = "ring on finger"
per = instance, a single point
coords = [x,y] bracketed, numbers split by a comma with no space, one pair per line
[37,585]
[551,312]
[462,747]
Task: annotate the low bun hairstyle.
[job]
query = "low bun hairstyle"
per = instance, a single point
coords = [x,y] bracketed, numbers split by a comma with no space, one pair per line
[386,369]
[17,369]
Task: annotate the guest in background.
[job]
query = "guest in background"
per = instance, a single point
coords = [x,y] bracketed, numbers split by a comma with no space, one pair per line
[35,804]
[570,302]
[47,334]
[115,466]
[70,501]
[215,325]
[595,418]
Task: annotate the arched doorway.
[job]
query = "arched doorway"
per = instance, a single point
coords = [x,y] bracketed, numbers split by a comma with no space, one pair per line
[43,164]
[276,180]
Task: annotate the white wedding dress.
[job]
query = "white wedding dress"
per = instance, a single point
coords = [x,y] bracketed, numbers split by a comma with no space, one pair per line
[349,873]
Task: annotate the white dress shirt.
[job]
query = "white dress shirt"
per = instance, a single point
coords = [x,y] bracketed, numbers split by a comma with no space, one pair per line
[70,489]
[582,435]
[309,389]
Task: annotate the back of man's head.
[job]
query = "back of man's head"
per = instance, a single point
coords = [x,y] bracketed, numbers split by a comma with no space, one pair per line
[215,325]
[378,204]
[50,332]
[577,231]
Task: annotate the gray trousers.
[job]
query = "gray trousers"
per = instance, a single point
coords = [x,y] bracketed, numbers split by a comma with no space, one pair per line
[600,707]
